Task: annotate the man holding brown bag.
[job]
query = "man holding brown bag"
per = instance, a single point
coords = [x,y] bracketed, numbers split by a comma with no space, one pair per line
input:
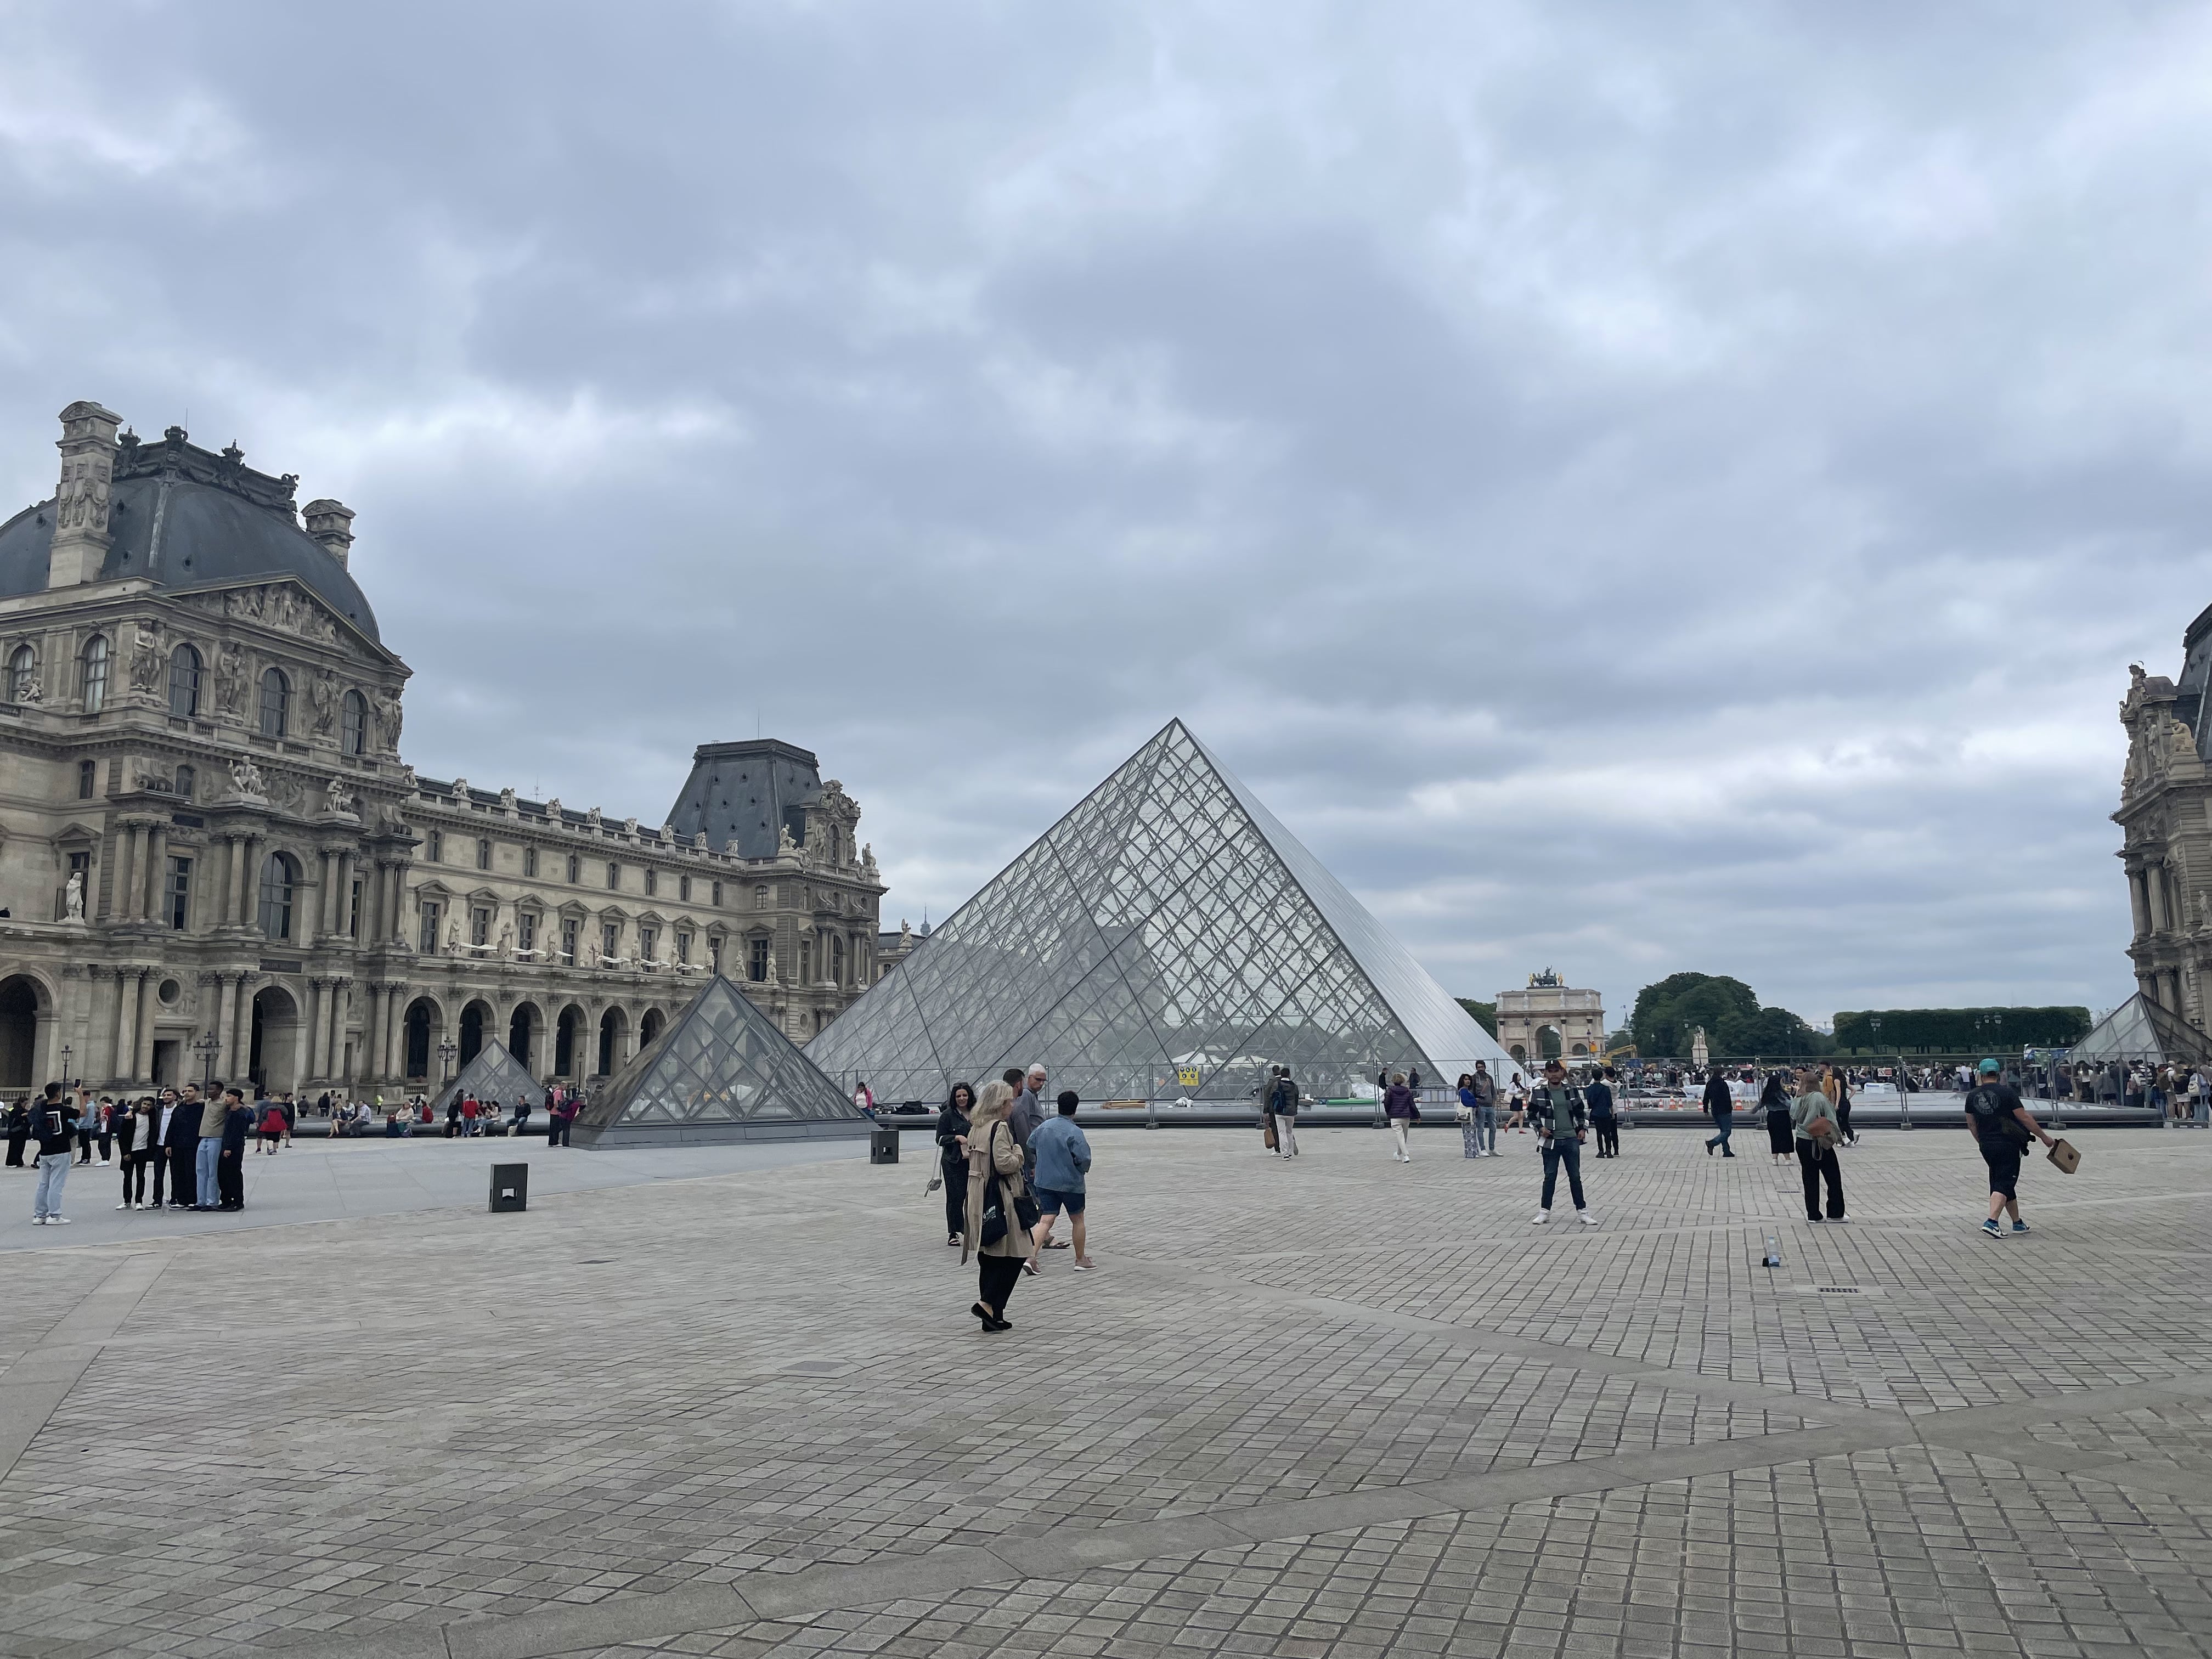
[2001,1126]
[1814,1119]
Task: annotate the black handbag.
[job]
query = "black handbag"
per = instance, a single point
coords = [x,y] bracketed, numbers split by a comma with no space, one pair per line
[995,1194]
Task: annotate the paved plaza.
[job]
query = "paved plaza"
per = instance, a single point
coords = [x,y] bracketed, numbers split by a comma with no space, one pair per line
[1331,1407]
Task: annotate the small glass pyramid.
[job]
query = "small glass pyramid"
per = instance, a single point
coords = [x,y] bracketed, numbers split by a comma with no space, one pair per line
[720,1071]
[494,1074]
[1167,938]
[2140,1029]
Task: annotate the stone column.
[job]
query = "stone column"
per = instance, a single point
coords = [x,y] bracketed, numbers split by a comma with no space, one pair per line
[127,874]
[342,914]
[157,848]
[226,1016]
[234,882]
[142,1069]
[341,1010]
[2154,885]
[125,1051]
[239,1041]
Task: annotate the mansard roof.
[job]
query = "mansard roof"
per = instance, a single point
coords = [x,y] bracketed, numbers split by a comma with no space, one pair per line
[188,518]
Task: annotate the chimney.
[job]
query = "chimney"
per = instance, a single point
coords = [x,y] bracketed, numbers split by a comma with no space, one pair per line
[331,523]
[81,539]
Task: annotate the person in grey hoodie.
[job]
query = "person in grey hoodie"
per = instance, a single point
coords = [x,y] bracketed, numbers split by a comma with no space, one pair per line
[1816,1151]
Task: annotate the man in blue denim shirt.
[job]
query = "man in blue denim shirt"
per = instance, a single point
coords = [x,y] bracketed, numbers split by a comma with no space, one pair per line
[1063,1158]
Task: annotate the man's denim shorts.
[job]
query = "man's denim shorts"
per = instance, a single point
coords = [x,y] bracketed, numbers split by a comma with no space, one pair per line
[1052,1203]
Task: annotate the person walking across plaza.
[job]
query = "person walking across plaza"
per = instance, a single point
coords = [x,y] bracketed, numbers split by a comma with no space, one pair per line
[1835,1084]
[19,1133]
[1399,1107]
[2001,1126]
[991,1227]
[952,1156]
[1720,1106]
[269,1134]
[54,1119]
[1774,1102]
[1813,1127]
[1063,1164]
[1283,1094]
[1561,1117]
[1605,1120]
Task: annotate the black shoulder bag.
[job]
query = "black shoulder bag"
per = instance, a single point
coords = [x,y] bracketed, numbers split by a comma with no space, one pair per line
[995,1194]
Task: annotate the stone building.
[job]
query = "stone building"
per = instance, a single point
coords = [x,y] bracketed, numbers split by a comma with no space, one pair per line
[2165,823]
[1574,1019]
[214,861]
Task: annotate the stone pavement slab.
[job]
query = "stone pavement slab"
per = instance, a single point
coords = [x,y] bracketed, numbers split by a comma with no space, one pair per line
[1336,1405]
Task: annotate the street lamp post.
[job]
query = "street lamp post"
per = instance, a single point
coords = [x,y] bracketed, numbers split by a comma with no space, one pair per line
[66,1079]
[207,1047]
[446,1051]
[1904,1094]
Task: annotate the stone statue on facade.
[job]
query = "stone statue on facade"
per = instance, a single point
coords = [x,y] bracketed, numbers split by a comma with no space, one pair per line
[506,940]
[246,776]
[229,681]
[453,938]
[506,802]
[339,801]
[461,791]
[73,897]
[146,660]
[388,718]
[553,810]
[785,847]
[323,694]
[30,692]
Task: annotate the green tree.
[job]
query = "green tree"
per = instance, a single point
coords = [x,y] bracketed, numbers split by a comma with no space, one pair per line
[1486,1013]
[1668,1014]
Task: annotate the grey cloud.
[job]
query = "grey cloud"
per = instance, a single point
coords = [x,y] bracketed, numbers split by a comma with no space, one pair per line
[1636,488]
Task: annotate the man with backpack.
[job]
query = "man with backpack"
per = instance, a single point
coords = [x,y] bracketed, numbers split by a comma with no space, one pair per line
[2001,1126]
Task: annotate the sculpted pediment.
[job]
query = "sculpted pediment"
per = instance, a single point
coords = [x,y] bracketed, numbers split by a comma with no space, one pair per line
[282,605]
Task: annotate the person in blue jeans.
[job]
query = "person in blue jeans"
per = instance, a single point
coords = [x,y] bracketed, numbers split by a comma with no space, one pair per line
[1485,1110]
[207,1163]
[1063,1159]
[1720,1106]
[1562,1118]
[54,1121]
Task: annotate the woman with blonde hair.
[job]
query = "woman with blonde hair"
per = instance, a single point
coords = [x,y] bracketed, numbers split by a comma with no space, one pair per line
[1000,1211]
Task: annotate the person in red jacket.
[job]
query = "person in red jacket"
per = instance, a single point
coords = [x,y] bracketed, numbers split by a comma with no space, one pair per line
[270,1132]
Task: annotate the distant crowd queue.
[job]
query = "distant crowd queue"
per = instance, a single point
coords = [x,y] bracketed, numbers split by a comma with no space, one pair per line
[185,1148]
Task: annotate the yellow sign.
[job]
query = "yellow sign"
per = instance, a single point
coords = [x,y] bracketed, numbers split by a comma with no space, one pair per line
[1188,1076]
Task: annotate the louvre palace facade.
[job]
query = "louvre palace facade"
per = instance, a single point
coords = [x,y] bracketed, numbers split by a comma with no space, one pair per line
[2166,820]
[214,861]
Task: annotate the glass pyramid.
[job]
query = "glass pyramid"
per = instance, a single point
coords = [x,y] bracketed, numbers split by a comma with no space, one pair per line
[720,1071]
[1167,938]
[494,1074]
[2140,1029]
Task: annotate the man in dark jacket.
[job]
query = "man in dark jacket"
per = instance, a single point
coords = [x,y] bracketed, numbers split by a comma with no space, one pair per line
[54,1120]
[1557,1110]
[230,1170]
[181,1140]
[1720,1105]
[1597,1094]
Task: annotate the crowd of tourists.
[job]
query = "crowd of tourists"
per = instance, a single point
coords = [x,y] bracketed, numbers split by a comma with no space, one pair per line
[181,1149]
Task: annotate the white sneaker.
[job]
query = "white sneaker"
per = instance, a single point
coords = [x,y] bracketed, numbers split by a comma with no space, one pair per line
[58,1221]
[141,1206]
[38,1221]
[1541,1216]
[1589,1220]
[123,1206]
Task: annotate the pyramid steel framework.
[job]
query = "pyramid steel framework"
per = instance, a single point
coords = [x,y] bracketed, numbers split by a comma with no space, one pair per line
[1167,938]
[2140,1029]
[720,1071]
[494,1074]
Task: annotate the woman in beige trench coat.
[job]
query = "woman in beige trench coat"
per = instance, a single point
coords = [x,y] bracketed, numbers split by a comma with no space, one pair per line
[992,1150]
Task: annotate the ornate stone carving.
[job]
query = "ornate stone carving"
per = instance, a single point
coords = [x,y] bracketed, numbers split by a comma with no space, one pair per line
[73,897]
[146,660]
[229,681]
[323,696]
[336,795]
[246,776]
[388,717]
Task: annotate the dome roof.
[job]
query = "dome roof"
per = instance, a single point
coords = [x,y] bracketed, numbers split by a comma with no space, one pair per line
[187,518]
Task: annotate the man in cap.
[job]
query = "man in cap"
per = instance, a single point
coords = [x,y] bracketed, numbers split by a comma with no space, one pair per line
[2001,1126]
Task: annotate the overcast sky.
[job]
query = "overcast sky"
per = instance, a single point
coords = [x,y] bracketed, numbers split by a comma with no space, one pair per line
[1635,487]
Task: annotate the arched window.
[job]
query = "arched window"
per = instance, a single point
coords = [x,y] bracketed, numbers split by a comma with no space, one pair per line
[353,724]
[186,780]
[279,876]
[22,669]
[185,682]
[836,961]
[275,702]
[93,675]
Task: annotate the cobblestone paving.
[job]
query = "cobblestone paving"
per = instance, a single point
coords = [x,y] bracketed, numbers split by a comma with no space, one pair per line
[1333,1407]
